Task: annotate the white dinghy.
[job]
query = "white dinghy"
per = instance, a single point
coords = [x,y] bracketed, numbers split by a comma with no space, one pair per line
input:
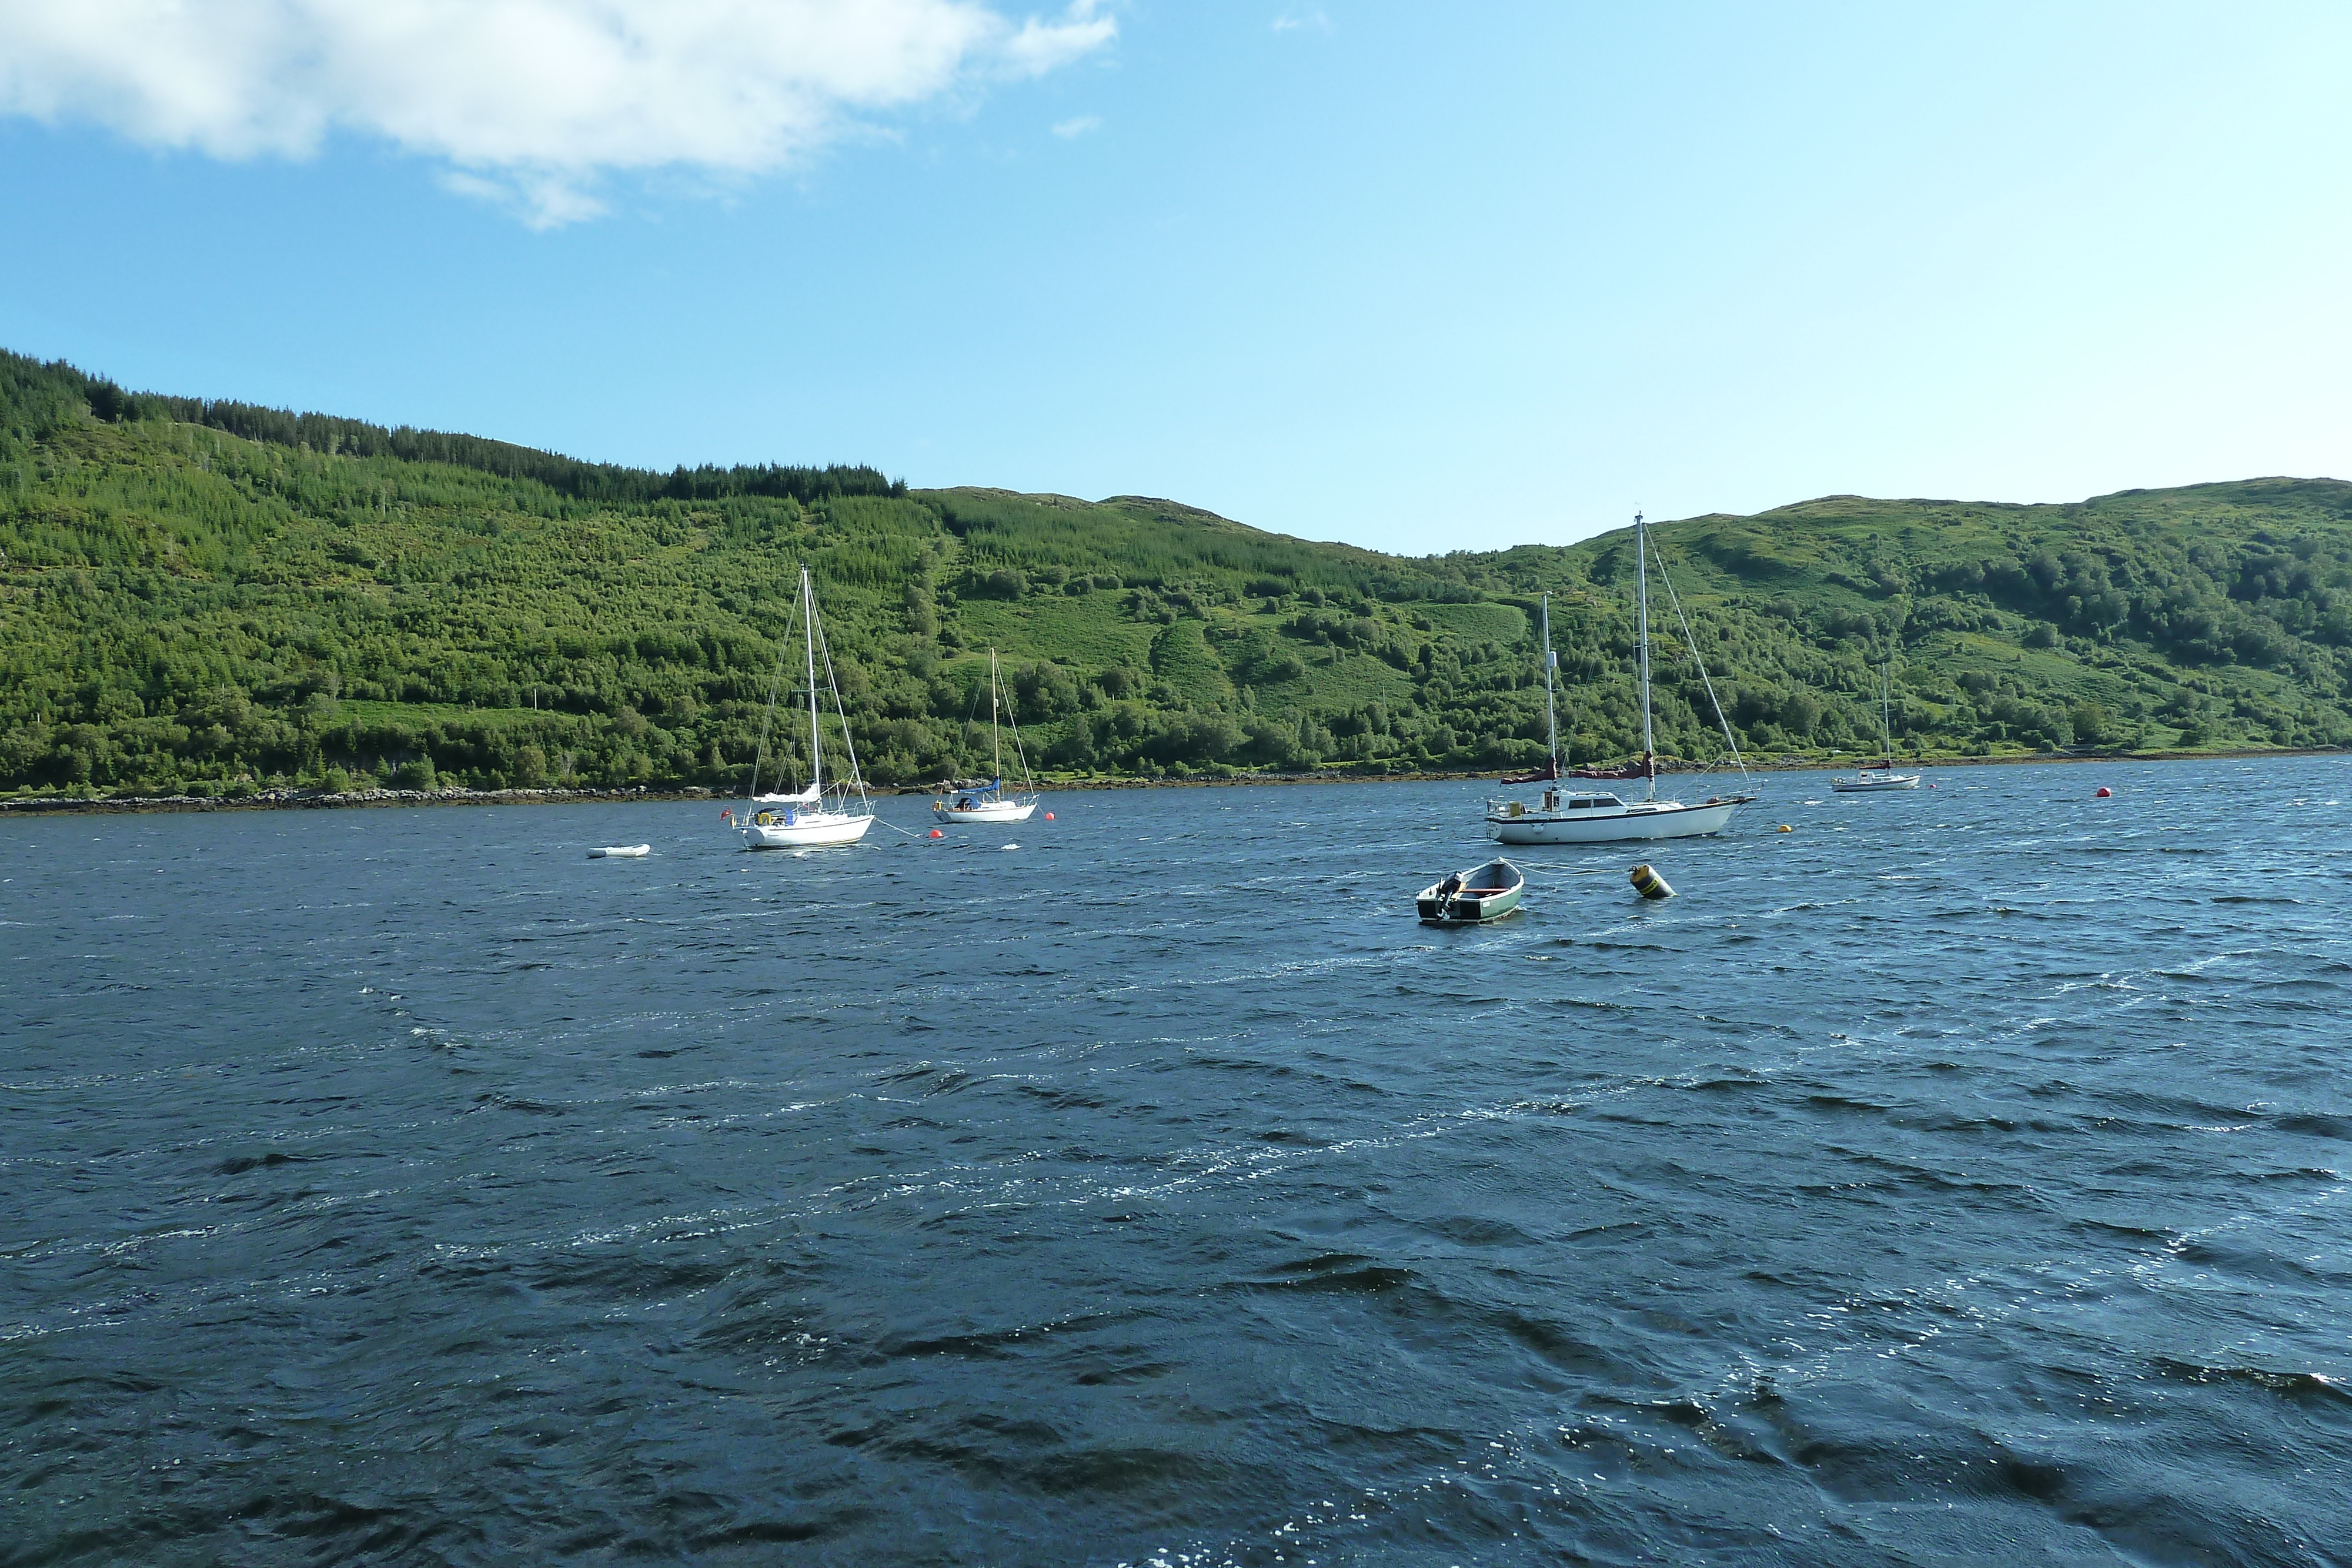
[621,852]
[988,802]
[1473,897]
[804,818]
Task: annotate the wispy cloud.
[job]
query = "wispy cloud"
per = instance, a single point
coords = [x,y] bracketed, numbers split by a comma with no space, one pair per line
[1069,129]
[1312,17]
[531,102]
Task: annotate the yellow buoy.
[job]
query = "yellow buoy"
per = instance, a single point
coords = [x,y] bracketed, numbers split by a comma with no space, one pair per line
[1650,884]
[1786,829]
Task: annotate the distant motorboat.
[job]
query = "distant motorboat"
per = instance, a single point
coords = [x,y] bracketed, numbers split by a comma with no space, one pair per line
[620,851]
[1472,897]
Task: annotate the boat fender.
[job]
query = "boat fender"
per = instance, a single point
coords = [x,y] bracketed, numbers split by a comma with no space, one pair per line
[2104,792]
[1649,884]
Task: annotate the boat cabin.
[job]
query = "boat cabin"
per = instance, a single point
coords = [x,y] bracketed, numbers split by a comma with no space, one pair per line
[1554,801]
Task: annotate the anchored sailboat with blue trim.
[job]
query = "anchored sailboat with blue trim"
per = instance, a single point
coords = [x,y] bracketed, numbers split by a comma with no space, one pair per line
[804,818]
[988,802]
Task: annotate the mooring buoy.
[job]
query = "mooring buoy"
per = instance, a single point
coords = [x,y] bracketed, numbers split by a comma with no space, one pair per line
[1649,884]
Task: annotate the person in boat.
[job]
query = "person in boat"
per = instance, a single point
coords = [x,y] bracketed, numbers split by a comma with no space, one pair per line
[1448,888]
[966,803]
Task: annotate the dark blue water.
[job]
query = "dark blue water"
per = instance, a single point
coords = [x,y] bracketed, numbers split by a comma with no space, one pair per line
[1958,1176]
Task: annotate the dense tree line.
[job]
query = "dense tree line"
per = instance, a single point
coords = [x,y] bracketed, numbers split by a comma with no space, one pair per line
[55,390]
[183,606]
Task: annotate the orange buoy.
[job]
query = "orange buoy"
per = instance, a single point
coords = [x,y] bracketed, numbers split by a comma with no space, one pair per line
[1649,884]
[2104,792]
[937,834]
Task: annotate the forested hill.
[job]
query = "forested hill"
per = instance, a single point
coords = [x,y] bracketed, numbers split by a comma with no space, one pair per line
[215,597]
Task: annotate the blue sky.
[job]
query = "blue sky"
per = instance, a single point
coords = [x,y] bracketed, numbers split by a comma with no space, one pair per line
[1417,277]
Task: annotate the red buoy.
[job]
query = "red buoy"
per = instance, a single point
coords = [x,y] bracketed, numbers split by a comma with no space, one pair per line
[937,834]
[1049,816]
[2104,792]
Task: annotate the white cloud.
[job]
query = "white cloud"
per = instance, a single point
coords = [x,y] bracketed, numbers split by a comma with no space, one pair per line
[532,102]
[1069,129]
[1313,16]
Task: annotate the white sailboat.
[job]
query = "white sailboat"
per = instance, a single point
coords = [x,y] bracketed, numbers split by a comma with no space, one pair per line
[803,817]
[988,802]
[1877,776]
[1590,816]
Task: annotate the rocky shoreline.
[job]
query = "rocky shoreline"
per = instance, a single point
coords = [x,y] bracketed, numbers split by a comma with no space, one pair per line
[311,800]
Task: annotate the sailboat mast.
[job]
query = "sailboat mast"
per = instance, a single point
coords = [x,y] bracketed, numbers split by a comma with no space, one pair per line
[1886,710]
[1552,715]
[816,747]
[995,737]
[1641,593]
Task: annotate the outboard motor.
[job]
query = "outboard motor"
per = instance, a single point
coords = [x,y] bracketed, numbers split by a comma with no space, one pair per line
[1445,891]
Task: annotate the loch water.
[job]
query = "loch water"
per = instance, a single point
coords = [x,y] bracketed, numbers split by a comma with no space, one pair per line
[1960,1177]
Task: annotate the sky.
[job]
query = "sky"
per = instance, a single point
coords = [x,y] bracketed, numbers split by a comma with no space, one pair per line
[1417,277]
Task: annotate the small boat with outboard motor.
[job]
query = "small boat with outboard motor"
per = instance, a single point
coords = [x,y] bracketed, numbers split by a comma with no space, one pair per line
[1474,896]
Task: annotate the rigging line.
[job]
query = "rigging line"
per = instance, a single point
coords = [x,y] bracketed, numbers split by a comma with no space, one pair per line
[1690,643]
[1019,752]
[775,682]
[848,743]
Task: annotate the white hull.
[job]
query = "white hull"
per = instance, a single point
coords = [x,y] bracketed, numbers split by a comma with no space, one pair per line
[812,828]
[620,851]
[995,811]
[1872,786]
[1664,820]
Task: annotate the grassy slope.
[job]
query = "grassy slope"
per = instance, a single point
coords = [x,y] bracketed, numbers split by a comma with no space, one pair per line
[181,605]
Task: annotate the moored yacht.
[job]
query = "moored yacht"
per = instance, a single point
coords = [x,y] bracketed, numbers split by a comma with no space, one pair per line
[1573,816]
[1876,775]
[988,802]
[803,817]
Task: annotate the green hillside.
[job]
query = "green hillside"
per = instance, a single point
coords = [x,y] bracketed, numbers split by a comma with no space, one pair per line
[217,597]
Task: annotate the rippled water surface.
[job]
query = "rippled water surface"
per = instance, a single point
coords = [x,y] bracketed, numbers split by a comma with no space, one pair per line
[1957,1176]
